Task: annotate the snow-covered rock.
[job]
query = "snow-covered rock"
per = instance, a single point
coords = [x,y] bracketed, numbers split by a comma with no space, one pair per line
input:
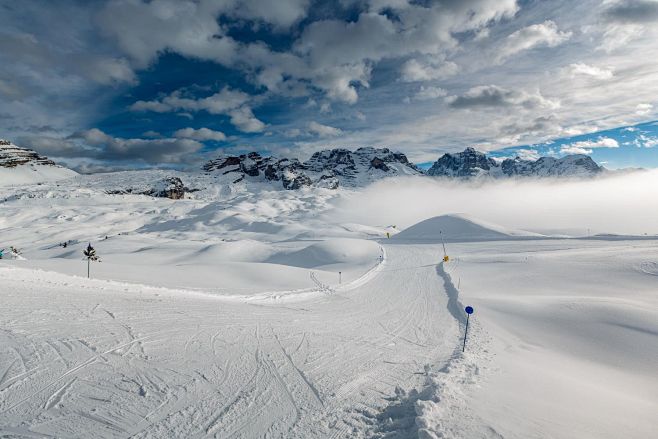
[468,163]
[329,168]
[167,187]
[569,166]
[20,166]
[472,163]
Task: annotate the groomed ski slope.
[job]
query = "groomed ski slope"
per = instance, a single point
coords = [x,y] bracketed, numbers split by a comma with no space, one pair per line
[92,358]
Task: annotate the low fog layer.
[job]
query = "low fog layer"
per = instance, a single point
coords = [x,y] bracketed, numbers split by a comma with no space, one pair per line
[625,204]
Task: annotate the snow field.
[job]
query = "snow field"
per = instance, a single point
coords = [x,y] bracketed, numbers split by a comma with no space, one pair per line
[221,316]
[112,359]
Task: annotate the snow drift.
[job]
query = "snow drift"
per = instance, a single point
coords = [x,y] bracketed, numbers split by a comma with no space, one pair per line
[459,228]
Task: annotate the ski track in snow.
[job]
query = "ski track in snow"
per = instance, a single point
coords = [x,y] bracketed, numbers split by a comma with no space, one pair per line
[103,359]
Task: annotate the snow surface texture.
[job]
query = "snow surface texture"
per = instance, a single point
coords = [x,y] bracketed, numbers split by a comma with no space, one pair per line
[223,315]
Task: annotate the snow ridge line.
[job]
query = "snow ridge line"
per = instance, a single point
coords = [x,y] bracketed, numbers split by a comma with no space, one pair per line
[455,306]
[442,410]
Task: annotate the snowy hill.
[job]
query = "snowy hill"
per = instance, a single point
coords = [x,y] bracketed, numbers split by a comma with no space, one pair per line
[328,168]
[459,228]
[20,166]
[472,163]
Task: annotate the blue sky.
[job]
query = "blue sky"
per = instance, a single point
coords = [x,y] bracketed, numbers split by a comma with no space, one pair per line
[120,84]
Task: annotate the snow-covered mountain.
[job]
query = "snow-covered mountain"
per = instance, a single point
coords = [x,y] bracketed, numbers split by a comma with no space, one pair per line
[329,168]
[24,166]
[472,163]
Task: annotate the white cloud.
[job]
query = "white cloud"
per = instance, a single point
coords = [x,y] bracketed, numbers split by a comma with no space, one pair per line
[569,149]
[646,141]
[200,134]
[244,120]
[618,36]
[218,103]
[313,129]
[414,70]
[537,35]
[429,93]
[586,146]
[643,109]
[321,130]
[232,103]
[582,69]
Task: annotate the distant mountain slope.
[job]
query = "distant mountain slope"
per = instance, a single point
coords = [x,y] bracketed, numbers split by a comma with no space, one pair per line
[328,168]
[20,166]
[472,163]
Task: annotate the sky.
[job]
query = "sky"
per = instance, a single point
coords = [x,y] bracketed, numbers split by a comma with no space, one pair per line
[119,84]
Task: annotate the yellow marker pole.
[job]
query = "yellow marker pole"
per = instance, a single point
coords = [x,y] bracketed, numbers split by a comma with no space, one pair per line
[445,254]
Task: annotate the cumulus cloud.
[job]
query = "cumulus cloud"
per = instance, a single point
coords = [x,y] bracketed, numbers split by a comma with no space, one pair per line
[200,134]
[218,103]
[233,103]
[544,34]
[104,146]
[586,146]
[571,149]
[69,65]
[244,120]
[414,70]
[495,96]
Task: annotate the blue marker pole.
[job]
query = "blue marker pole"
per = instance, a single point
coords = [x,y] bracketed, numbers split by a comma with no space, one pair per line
[469,311]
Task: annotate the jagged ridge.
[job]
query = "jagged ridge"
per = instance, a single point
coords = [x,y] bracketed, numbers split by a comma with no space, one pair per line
[328,168]
[471,163]
[12,156]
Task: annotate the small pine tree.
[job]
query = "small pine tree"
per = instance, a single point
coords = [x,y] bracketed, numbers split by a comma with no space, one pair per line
[90,255]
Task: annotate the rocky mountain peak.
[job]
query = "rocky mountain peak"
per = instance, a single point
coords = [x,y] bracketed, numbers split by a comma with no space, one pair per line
[472,163]
[12,156]
[468,163]
[329,168]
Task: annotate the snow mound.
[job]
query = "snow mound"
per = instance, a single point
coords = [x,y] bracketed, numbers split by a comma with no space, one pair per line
[334,252]
[459,228]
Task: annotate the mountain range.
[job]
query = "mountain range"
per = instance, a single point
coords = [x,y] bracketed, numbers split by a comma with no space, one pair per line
[471,163]
[331,168]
